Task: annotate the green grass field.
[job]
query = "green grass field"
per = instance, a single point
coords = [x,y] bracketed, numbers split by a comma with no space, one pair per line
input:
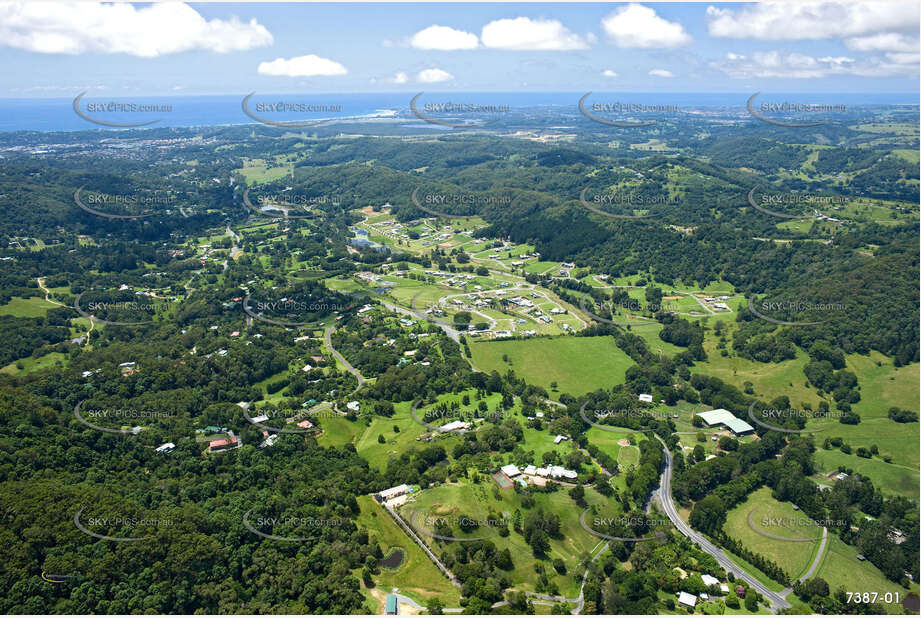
[769,516]
[30,364]
[418,577]
[577,364]
[32,307]
[841,569]
[891,478]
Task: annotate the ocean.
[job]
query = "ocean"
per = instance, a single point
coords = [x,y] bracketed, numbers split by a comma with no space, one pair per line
[189,111]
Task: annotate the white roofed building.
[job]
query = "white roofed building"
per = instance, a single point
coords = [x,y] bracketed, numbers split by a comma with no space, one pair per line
[686,598]
[725,417]
[393,492]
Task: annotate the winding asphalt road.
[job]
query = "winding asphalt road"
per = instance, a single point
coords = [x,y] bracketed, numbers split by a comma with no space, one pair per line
[668,505]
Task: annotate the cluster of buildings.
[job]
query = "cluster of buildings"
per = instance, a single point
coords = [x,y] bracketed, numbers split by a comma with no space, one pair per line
[718,302]
[690,600]
[553,472]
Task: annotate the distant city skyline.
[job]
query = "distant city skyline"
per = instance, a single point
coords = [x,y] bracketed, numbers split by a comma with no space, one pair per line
[60,49]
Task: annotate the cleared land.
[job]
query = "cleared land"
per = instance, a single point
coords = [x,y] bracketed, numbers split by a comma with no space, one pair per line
[418,577]
[577,364]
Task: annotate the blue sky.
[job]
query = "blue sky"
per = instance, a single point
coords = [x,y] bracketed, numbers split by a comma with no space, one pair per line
[51,49]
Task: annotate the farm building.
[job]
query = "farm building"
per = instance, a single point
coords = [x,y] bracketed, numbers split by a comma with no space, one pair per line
[725,417]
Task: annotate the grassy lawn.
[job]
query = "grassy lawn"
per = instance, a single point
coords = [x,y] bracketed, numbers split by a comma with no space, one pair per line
[30,364]
[418,577]
[882,385]
[398,442]
[478,501]
[841,569]
[793,557]
[32,307]
[650,334]
[577,364]
[890,478]
[337,431]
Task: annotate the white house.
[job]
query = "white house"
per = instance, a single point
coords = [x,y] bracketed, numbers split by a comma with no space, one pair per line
[686,598]
[646,398]
[165,448]
[709,580]
[511,470]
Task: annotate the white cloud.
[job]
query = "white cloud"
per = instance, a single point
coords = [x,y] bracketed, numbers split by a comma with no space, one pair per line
[661,73]
[904,58]
[609,73]
[638,26]
[400,78]
[524,33]
[433,76]
[773,64]
[886,41]
[443,38]
[302,66]
[121,28]
[797,21]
